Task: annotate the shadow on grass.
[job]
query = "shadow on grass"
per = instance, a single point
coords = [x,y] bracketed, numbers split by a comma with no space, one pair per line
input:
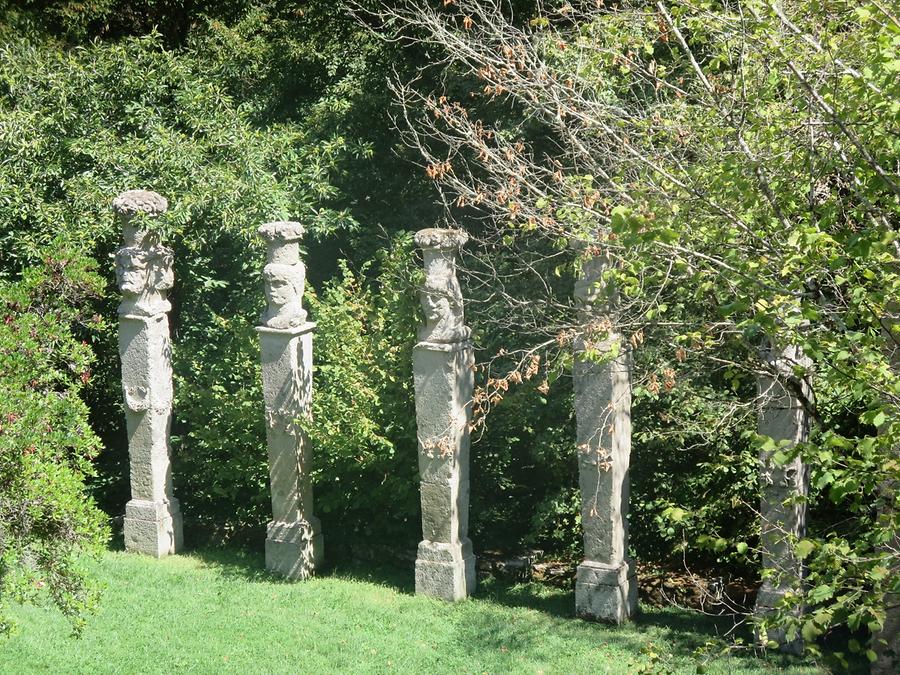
[553,601]
[536,639]
[250,565]
[560,604]
[680,633]
[676,637]
[400,578]
[689,628]
[237,564]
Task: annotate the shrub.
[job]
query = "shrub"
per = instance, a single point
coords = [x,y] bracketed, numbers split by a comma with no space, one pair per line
[47,518]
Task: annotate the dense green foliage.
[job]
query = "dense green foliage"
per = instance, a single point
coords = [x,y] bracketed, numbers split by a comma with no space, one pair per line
[47,519]
[792,241]
[135,113]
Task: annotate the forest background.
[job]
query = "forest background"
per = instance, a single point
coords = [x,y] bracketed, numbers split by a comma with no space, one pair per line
[245,112]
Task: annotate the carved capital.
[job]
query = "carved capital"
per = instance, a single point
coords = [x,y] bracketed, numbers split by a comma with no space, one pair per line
[439,238]
[128,204]
[282,241]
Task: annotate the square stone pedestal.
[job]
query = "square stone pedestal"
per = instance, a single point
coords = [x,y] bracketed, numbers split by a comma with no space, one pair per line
[294,550]
[153,528]
[445,571]
[606,592]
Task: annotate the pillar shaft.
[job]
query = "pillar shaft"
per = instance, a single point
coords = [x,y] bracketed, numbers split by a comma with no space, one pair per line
[443,367]
[783,488]
[294,543]
[606,585]
[153,523]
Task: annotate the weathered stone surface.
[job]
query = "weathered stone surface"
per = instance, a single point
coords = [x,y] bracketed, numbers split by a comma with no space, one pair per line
[282,241]
[886,643]
[438,509]
[441,296]
[294,550]
[444,384]
[153,523]
[593,296]
[287,393]
[144,274]
[134,203]
[153,528]
[603,414]
[606,592]
[783,417]
[445,571]
[606,586]
[294,543]
[284,276]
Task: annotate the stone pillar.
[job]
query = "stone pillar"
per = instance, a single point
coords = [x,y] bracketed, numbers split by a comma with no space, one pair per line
[144,275]
[783,417]
[606,584]
[443,367]
[294,546]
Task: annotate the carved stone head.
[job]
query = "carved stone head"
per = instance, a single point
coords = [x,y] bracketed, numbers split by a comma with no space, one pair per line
[441,296]
[284,275]
[284,285]
[144,275]
[143,266]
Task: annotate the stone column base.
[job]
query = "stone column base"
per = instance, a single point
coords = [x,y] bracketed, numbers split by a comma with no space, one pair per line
[153,528]
[767,598]
[606,592]
[294,550]
[445,571]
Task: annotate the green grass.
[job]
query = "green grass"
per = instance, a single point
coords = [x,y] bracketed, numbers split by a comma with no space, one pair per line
[219,612]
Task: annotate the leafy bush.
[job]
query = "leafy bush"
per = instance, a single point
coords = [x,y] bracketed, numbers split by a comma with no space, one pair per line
[363,428]
[47,518]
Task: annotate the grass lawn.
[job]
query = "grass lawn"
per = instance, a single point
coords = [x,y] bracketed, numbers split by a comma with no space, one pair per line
[219,612]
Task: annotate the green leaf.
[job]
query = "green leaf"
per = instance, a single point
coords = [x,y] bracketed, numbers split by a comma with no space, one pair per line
[820,593]
[810,631]
[878,573]
[676,514]
[804,547]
